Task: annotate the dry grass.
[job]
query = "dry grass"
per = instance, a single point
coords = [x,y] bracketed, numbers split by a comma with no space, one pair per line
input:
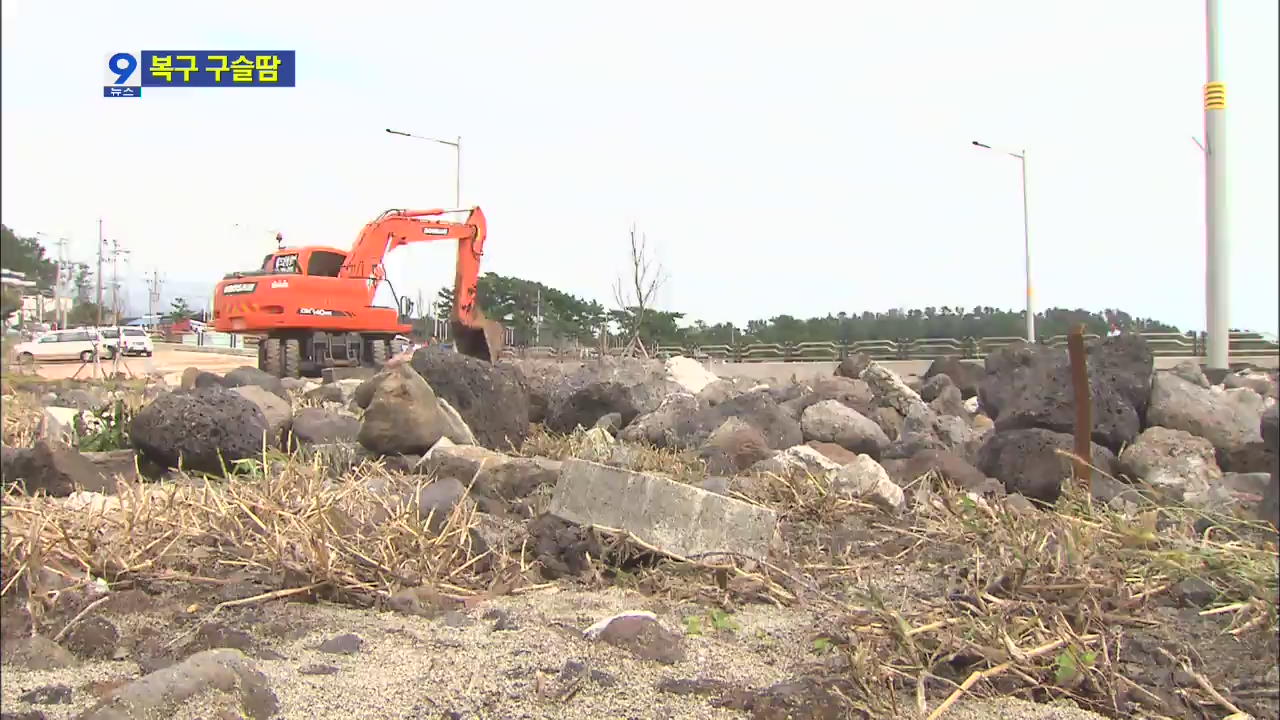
[1045,604]
[680,465]
[21,419]
[292,530]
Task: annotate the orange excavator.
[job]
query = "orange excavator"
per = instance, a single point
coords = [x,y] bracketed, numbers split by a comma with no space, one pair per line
[315,305]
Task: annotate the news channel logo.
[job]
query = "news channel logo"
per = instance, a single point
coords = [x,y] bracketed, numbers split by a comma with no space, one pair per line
[127,73]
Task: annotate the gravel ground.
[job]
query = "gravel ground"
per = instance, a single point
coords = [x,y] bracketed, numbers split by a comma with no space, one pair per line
[459,666]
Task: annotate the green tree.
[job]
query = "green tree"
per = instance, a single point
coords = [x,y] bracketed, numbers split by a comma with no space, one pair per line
[10,302]
[84,313]
[27,255]
[179,310]
[568,318]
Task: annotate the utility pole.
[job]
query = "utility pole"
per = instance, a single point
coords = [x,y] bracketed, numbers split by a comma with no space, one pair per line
[537,327]
[116,252]
[59,313]
[1026,235]
[153,295]
[100,244]
[1215,195]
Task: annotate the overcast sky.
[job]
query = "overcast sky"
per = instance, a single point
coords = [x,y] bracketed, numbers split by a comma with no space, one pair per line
[798,158]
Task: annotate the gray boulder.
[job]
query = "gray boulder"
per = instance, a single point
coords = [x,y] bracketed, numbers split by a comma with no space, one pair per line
[402,415]
[83,398]
[890,390]
[627,387]
[246,375]
[1029,386]
[610,423]
[853,366]
[865,479]
[204,430]
[542,379]
[833,421]
[455,428]
[316,426]
[1230,419]
[852,393]
[1178,464]
[1262,382]
[924,429]
[1190,371]
[964,374]
[194,378]
[718,391]
[734,446]
[889,420]
[219,683]
[492,399]
[341,391]
[949,402]
[1269,508]
[658,428]
[278,412]
[758,409]
[492,476]
[947,465]
[1027,461]
[934,385]
[54,470]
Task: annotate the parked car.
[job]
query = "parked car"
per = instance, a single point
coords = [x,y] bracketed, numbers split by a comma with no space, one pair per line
[134,339]
[79,344]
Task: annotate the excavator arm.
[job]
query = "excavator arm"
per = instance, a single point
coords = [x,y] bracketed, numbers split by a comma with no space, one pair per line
[473,334]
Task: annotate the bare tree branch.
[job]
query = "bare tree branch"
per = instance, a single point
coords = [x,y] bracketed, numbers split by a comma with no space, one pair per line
[647,276]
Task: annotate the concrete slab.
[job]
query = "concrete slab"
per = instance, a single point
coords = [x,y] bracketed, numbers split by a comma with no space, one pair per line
[675,518]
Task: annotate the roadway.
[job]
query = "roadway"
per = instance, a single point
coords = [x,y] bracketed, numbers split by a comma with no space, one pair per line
[173,358]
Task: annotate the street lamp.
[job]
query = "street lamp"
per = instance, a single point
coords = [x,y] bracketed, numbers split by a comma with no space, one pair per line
[1026,235]
[457,163]
[1217,227]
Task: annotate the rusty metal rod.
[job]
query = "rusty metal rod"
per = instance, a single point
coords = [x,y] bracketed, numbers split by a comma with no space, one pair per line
[1084,406]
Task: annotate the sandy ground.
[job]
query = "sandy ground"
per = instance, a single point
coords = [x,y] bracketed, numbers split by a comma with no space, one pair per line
[166,360]
[461,666]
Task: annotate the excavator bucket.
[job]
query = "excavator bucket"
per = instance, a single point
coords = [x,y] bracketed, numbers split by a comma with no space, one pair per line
[483,340]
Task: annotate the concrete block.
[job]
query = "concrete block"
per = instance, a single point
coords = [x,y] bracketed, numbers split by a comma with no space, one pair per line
[675,518]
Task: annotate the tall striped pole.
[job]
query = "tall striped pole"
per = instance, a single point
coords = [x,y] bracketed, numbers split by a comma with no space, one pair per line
[1215,192]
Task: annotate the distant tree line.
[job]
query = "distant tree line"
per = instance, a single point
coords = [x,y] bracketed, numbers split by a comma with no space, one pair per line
[26,255]
[567,318]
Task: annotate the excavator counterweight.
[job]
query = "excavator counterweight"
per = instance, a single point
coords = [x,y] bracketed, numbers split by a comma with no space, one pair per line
[313,307]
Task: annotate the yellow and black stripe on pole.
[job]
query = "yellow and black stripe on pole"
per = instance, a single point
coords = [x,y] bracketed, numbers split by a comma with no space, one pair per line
[1215,96]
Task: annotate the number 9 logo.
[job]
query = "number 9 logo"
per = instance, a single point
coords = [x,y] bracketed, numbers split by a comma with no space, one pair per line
[123,65]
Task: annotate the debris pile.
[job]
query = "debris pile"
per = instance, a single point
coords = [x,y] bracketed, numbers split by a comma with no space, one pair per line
[920,535]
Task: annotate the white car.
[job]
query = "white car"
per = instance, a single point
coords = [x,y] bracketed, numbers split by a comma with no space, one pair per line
[60,345]
[134,339]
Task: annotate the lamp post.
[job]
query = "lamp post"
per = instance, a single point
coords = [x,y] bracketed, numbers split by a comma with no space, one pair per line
[1215,195]
[1026,236]
[457,163]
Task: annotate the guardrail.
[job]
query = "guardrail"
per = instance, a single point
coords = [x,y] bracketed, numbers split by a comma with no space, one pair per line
[1161,344]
